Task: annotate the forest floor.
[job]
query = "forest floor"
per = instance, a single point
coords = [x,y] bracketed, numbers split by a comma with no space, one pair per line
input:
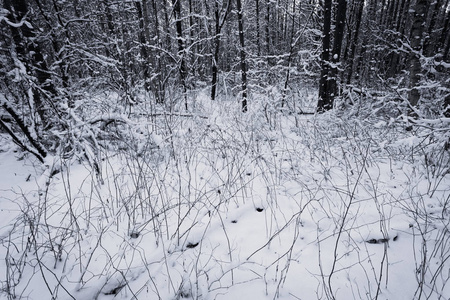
[216,204]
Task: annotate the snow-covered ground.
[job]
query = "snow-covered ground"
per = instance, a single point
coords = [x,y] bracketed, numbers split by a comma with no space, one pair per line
[222,205]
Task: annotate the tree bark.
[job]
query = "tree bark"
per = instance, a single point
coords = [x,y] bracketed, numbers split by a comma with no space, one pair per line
[258,35]
[143,39]
[354,42]
[217,37]
[159,83]
[416,38]
[337,47]
[291,54]
[444,40]
[243,58]
[268,31]
[181,53]
[430,42]
[325,103]
[328,88]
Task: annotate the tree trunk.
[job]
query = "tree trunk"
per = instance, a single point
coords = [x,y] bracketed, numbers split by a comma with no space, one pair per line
[350,30]
[143,39]
[337,47]
[291,54]
[402,28]
[400,15]
[167,24]
[354,42]
[324,103]
[216,52]
[268,30]
[328,88]
[444,40]
[158,82]
[430,42]
[258,35]
[416,38]
[242,52]
[218,29]
[181,53]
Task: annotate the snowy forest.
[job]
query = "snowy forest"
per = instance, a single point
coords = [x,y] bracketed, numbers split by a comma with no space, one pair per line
[225,149]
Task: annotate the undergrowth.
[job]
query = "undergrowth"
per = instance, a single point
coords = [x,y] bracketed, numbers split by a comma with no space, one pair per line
[202,204]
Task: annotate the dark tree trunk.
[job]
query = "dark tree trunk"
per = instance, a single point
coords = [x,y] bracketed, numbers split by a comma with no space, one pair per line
[218,29]
[395,65]
[400,15]
[167,25]
[291,54]
[143,39]
[354,42]
[268,30]
[243,58]
[191,23]
[158,82]
[416,38]
[181,53]
[258,35]
[350,29]
[444,40]
[430,43]
[404,17]
[216,52]
[337,47]
[325,102]
[328,88]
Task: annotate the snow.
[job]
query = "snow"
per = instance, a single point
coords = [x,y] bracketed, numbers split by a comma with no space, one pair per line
[230,206]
